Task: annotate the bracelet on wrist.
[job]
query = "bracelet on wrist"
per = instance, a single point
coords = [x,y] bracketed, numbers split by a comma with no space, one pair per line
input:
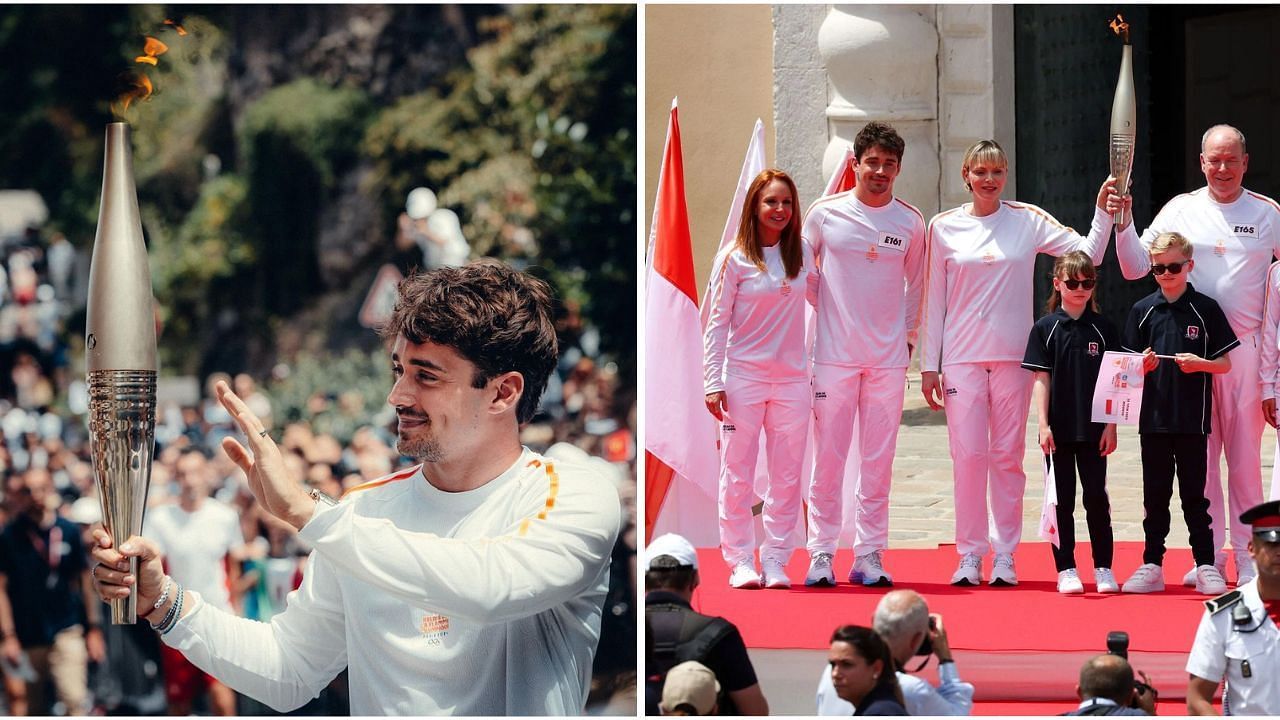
[174,609]
[164,593]
[176,615]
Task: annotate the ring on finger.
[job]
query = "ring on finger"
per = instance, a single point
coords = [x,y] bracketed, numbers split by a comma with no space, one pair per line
[262,433]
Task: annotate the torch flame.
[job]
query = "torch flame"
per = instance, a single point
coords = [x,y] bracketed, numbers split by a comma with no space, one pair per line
[136,87]
[1120,27]
[181,31]
[151,49]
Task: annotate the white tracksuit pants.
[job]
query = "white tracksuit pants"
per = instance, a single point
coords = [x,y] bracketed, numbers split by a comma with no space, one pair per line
[872,396]
[986,406]
[1236,427]
[782,410]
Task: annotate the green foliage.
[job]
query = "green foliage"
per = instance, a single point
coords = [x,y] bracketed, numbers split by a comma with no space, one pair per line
[362,376]
[535,147]
[318,123]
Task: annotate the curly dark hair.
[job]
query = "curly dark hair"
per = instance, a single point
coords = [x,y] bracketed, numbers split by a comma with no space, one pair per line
[493,315]
[878,134]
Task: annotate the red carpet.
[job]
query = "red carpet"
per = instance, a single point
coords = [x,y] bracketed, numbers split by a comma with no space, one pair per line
[1022,645]
[1029,617]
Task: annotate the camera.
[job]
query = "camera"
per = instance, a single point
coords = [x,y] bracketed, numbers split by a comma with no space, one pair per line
[1118,644]
[926,647]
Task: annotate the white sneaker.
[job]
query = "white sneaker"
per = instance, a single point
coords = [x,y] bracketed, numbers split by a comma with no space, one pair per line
[775,575]
[820,573]
[744,576]
[1245,569]
[970,570]
[868,570]
[1219,561]
[1002,570]
[1209,581]
[1105,580]
[1148,578]
[1069,582]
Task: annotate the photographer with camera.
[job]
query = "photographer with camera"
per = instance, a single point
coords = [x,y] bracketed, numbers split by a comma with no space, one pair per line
[1239,635]
[903,621]
[1108,687]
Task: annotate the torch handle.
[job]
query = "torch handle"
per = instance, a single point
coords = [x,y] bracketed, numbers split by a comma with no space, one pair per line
[124,611]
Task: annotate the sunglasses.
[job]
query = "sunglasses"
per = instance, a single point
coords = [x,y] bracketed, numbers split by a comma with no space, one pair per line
[1171,268]
[1087,284]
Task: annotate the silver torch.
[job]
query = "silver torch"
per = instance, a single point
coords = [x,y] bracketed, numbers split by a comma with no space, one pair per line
[1124,117]
[120,350]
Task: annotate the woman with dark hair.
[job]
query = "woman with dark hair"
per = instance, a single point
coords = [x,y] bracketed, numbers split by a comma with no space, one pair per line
[976,317]
[862,672]
[756,376]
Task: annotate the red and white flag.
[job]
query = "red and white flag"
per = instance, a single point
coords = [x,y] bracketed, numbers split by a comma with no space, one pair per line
[680,435]
[752,165]
[844,178]
[1049,511]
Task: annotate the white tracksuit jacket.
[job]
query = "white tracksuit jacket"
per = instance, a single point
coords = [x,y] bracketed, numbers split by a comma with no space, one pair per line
[484,602]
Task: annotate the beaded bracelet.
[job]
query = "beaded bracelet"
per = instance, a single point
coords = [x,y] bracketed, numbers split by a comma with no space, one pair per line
[177,615]
[164,594]
[173,611]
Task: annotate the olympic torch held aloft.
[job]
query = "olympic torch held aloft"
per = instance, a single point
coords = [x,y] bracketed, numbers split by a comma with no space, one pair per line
[1124,117]
[120,349]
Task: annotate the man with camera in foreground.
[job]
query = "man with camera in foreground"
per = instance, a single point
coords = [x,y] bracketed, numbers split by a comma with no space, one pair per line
[1108,687]
[903,621]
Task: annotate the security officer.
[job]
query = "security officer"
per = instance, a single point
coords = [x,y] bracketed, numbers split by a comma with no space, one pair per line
[1239,637]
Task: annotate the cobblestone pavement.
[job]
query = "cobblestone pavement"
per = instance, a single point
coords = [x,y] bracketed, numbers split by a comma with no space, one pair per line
[922,509]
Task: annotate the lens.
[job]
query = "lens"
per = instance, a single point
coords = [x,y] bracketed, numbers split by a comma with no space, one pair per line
[1171,268]
[1075,284]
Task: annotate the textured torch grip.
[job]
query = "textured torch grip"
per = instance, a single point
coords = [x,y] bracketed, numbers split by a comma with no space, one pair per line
[1121,166]
[122,432]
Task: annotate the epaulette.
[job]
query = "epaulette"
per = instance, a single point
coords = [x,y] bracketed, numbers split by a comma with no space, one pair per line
[1223,601]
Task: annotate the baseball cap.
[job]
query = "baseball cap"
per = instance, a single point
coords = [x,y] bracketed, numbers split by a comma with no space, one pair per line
[673,545]
[1265,519]
[690,683]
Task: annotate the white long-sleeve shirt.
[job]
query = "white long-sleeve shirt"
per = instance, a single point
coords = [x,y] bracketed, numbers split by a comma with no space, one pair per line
[755,328]
[1269,357]
[484,602]
[870,272]
[1233,242]
[979,292]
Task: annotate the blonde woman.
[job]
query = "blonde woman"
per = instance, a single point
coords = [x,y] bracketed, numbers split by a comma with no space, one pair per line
[977,314]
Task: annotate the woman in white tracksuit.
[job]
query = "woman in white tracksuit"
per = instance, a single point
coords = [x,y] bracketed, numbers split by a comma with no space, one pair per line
[756,376]
[976,316]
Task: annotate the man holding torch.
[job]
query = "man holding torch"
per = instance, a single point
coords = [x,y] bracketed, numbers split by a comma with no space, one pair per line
[471,584]
[1235,234]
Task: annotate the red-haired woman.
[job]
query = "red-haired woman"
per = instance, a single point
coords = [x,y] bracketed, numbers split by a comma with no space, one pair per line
[756,376]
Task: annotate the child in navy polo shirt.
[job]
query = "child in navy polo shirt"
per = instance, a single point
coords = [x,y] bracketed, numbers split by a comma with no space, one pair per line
[1065,351]
[1191,336]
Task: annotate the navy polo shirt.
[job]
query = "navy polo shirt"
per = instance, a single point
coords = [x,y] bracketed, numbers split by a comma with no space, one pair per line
[1071,352]
[1174,401]
[42,568]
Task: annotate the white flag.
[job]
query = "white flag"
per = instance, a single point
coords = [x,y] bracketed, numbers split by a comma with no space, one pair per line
[1049,511]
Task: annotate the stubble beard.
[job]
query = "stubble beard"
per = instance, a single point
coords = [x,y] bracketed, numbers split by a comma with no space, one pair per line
[424,448]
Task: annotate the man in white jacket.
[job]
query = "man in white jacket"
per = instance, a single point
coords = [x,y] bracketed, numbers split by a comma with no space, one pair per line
[471,584]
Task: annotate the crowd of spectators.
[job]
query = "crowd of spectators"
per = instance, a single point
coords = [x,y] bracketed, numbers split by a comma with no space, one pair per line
[587,415]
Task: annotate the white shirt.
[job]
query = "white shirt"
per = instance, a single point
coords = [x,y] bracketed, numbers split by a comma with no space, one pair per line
[1233,244]
[870,272]
[979,291]
[951,697]
[484,602]
[1269,357]
[196,545]
[756,325]
[1220,650]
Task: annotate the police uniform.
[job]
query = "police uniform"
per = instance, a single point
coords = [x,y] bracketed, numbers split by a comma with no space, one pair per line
[1176,411]
[1238,641]
[1070,350]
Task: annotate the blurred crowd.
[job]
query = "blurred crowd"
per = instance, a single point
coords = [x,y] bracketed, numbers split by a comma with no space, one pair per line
[71,660]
